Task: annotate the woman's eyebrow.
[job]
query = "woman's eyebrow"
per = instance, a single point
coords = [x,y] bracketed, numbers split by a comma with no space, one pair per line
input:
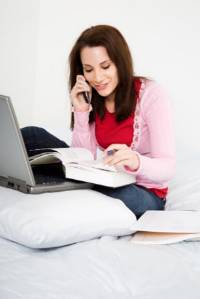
[108,60]
[84,64]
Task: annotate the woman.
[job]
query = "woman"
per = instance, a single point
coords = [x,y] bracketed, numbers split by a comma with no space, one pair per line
[128,114]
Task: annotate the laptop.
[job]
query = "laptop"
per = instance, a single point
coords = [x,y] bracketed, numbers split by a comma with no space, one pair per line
[16,171]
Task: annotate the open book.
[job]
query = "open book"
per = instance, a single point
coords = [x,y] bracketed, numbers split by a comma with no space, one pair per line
[165,227]
[78,164]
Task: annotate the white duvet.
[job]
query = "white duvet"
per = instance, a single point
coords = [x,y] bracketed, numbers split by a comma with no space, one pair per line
[109,267]
[103,268]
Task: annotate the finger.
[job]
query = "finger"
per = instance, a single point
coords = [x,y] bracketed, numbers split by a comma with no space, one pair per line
[117,152]
[80,89]
[117,162]
[121,163]
[115,147]
[84,86]
[118,156]
[82,83]
[80,78]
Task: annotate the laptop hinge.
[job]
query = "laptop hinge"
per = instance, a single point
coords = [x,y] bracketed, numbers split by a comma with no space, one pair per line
[17,184]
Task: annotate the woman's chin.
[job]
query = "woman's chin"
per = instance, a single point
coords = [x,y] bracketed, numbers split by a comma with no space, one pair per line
[105,93]
[102,93]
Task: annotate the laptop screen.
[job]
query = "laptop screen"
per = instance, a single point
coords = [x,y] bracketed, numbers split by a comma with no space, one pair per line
[13,156]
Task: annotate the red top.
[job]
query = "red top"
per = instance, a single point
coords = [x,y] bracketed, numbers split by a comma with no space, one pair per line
[108,131]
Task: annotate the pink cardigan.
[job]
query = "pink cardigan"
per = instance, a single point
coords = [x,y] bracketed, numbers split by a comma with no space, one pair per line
[153,138]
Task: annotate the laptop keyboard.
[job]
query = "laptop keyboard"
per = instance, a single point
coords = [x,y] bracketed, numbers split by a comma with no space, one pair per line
[48,174]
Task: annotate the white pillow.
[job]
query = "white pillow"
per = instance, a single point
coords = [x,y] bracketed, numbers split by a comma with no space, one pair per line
[56,219]
[184,189]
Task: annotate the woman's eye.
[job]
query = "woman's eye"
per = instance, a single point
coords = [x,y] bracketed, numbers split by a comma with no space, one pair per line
[87,71]
[106,67]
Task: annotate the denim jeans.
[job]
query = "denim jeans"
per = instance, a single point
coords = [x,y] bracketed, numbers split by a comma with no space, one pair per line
[138,199]
[38,138]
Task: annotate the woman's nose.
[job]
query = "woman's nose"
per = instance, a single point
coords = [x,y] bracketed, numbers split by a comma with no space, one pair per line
[98,77]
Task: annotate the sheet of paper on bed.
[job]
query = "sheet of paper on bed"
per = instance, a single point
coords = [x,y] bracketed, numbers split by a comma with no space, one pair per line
[165,227]
[163,238]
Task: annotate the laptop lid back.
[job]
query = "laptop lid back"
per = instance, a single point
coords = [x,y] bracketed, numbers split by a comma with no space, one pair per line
[14,162]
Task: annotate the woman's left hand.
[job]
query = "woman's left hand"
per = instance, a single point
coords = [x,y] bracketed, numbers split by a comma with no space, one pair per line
[121,155]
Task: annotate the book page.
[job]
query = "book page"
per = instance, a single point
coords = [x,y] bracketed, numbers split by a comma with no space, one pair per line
[65,155]
[162,238]
[45,158]
[74,154]
[96,164]
[169,221]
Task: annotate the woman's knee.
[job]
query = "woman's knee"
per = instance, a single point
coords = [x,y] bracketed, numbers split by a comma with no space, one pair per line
[136,198]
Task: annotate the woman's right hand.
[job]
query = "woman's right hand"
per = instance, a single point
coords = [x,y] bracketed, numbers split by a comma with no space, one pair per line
[76,95]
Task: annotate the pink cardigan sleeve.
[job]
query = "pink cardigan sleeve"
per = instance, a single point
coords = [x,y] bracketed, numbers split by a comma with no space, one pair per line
[158,165]
[83,134]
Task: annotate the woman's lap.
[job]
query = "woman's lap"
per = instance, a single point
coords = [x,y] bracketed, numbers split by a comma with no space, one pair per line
[136,198]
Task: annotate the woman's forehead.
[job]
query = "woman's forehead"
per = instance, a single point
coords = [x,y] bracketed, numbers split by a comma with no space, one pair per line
[94,55]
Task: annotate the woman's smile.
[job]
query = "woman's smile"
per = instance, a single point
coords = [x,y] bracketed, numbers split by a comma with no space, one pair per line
[101,87]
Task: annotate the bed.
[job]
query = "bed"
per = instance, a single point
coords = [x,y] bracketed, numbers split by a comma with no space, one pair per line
[102,265]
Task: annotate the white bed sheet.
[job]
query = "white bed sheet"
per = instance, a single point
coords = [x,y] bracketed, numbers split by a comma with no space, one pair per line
[103,268]
[109,267]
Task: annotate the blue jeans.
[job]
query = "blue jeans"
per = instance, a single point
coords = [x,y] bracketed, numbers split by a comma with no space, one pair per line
[138,199]
[38,138]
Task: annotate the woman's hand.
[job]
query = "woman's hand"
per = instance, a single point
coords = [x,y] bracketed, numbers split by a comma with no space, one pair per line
[76,95]
[121,155]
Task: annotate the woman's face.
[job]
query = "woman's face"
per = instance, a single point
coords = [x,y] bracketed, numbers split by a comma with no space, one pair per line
[100,72]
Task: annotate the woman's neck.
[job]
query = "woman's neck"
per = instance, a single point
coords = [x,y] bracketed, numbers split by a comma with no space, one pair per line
[110,103]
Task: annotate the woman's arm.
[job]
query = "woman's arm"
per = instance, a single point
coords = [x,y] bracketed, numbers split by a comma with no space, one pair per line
[83,134]
[159,166]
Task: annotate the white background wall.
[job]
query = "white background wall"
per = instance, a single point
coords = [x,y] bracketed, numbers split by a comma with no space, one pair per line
[19,22]
[36,37]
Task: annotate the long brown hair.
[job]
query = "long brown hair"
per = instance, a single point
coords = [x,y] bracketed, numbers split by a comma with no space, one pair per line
[118,51]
